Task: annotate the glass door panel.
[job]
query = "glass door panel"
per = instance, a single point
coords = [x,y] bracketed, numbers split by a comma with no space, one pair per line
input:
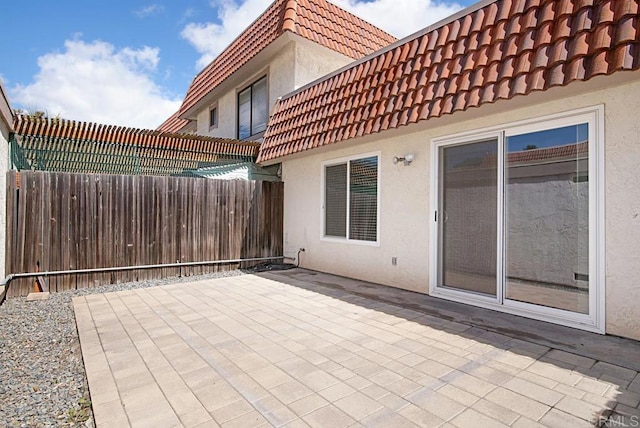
[547,218]
[467,217]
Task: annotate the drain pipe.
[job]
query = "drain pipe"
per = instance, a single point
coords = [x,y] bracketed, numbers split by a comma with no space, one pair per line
[300,250]
[5,283]
[297,258]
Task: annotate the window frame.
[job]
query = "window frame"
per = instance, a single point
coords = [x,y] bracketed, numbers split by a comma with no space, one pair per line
[214,108]
[346,160]
[595,320]
[250,88]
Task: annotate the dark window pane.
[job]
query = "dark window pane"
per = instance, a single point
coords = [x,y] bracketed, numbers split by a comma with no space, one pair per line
[259,106]
[244,114]
[336,200]
[213,117]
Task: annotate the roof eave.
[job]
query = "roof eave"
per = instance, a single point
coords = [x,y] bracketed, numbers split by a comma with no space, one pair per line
[6,114]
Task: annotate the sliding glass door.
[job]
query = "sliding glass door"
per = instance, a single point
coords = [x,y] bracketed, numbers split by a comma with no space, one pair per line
[516,219]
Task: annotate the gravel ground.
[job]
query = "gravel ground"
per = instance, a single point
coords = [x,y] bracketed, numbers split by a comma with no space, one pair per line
[42,377]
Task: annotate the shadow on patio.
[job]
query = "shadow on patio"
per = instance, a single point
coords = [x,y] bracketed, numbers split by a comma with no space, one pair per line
[612,361]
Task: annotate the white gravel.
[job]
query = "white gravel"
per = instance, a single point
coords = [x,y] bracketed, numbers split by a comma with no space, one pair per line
[42,377]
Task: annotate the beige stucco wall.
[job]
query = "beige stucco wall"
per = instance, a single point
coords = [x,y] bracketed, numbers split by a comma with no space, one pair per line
[314,61]
[4,167]
[280,72]
[405,214]
[5,118]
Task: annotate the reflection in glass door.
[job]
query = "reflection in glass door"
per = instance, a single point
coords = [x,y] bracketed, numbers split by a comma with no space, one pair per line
[468,209]
[547,218]
[517,223]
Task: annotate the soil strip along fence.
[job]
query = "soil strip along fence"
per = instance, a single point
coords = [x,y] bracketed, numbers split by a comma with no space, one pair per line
[60,221]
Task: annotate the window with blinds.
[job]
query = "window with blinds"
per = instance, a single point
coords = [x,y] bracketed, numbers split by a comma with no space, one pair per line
[351,199]
[335,205]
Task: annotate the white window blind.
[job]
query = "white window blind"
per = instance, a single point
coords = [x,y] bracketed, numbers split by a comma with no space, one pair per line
[363,199]
[351,199]
[336,200]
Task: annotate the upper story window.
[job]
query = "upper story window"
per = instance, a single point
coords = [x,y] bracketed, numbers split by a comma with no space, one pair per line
[252,109]
[213,116]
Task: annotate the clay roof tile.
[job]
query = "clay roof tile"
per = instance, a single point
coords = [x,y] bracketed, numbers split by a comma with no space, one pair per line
[546,12]
[624,57]
[454,31]
[563,7]
[477,20]
[562,27]
[464,83]
[499,31]
[506,48]
[443,35]
[627,30]
[575,70]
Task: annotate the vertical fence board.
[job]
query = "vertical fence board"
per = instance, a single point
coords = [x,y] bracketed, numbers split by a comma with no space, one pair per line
[11,218]
[75,221]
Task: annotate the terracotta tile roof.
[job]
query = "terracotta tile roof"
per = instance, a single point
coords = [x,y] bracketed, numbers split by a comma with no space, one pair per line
[70,146]
[568,151]
[315,20]
[173,123]
[496,51]
[532,156]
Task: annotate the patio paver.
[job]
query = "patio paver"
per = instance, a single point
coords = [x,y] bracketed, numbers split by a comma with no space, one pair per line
[283,349]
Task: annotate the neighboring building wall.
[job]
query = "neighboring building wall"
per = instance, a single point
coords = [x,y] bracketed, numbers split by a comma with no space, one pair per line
[314,61]
[6,121]
[298,63]
[280,72]
[405,212]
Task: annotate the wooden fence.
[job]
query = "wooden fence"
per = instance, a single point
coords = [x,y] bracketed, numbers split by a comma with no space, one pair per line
[60,221]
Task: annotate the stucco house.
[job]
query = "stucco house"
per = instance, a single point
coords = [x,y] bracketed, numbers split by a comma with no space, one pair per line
[490,159]
[291,44]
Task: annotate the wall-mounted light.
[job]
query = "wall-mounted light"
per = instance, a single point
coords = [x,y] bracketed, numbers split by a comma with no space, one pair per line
[406,159]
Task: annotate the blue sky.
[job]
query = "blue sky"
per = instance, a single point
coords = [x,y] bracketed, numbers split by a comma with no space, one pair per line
[131,62]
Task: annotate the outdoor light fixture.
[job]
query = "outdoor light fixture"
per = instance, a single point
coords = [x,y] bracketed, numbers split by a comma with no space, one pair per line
[407,159]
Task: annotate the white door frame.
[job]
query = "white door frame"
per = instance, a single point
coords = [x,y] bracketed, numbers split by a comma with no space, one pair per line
[595,319]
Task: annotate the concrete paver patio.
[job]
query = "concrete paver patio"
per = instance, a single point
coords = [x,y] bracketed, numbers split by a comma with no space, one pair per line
[278,350]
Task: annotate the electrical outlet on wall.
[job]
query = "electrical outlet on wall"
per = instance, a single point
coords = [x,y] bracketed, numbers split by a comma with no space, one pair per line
[394,261]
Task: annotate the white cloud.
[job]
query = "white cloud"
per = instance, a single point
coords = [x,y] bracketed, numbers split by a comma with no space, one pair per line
[95,82]
[152,9]
[210,38]
[398,17]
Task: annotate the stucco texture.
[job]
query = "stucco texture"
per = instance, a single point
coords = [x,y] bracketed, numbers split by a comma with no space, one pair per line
[405,211]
